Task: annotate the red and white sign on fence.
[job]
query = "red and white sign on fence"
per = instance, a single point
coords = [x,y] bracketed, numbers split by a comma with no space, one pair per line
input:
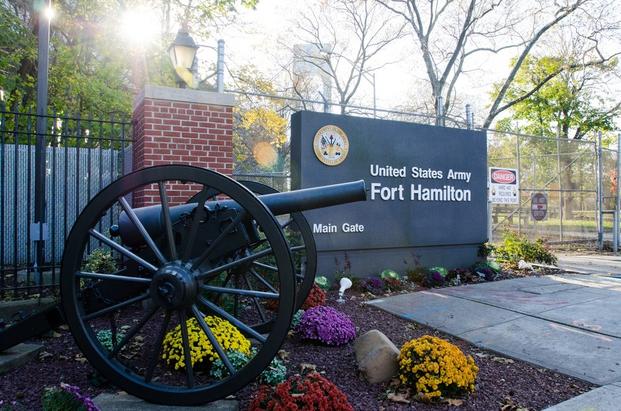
[504,186]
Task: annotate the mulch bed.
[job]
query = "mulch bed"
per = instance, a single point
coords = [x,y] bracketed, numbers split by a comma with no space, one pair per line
[501,384]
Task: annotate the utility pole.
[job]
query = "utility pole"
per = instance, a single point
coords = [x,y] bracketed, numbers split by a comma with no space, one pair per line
[38,229]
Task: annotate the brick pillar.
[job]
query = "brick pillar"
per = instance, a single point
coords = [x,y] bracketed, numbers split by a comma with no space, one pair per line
[181,126]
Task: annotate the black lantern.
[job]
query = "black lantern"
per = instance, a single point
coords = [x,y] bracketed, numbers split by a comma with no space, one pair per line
[183,50]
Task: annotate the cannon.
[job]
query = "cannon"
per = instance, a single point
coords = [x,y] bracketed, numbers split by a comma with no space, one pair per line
[191,247]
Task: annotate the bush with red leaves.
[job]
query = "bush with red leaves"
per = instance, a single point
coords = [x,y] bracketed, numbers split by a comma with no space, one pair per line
[310,393]
[316,297]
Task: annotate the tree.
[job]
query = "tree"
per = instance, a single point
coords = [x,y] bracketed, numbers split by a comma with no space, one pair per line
[327,47]
[260,140]
[569,106]
[450,32]
[92,68]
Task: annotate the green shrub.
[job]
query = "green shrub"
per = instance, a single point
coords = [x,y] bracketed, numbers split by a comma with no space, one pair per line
[66,398]
[486,249]
[296,318]
[105,338]
[323,282]
[516,247]
[389,274]
[417,275]
[100,261]
[274,374]
[55,399]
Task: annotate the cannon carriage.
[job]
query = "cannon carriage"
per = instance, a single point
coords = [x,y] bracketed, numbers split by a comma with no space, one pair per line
[203,264]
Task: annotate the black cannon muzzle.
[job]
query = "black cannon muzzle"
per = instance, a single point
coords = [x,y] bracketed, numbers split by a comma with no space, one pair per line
[278,203]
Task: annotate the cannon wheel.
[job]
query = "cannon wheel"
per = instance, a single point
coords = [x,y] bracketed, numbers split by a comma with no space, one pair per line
[134,363]
[307,267]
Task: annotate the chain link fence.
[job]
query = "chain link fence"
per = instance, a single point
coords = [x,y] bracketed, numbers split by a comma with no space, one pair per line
[570,173]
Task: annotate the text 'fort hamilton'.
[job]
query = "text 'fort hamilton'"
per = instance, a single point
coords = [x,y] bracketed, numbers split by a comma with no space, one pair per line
[418,191]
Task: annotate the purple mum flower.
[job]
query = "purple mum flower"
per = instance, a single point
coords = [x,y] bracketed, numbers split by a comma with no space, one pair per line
[327,325]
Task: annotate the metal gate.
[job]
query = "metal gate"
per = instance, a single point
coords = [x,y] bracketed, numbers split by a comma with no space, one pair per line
[82,155]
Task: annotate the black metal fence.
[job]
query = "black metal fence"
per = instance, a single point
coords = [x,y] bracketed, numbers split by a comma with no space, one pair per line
[82,156]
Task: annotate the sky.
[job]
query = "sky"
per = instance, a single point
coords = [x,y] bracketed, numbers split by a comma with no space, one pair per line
[255,36]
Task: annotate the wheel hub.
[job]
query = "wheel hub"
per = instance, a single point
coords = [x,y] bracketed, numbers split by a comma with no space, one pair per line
[174,286]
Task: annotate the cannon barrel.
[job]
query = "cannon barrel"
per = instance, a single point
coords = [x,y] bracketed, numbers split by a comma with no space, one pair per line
[278,203]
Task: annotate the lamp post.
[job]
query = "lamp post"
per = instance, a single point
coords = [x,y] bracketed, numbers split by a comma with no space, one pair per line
[182,53]
[38,228]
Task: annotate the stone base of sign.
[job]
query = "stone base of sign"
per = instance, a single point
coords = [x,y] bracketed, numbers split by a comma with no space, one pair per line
[126,402]
[17,356]
[368,263]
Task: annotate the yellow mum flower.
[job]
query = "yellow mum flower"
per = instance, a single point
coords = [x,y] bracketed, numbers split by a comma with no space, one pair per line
[436,368]
[227,335]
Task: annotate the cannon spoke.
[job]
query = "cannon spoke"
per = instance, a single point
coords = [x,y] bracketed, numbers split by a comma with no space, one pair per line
[235,263]
[134,330]
[186,348]
[112,277]
[118,306]
[187,262]
[157,348]
[262,280]
[172,249]
[265,266]
[199,214]
[287,223]
[232,319]
[113,329]
[237,291]
[200,317]
[254,299]
[147,238]
[199,260]
[122,250]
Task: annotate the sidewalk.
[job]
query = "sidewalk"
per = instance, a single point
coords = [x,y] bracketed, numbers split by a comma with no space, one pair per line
[569,323]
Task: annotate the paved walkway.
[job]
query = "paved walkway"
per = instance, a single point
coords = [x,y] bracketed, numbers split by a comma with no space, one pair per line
[591,264]
[570,323]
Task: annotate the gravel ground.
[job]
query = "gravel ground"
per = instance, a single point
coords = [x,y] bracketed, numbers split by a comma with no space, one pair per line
[500,383]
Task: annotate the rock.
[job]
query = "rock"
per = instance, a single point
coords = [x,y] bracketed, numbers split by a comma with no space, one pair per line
[377,357]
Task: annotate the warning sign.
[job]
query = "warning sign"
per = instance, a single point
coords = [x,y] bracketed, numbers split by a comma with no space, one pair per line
[539,206]
[504,186]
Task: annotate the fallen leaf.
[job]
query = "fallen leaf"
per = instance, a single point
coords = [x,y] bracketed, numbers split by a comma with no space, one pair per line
[455,402]
[481,354]
[283,355]
[307,367]
[398,397]
[80,358]
[503,360]
[510,405]
[44,355]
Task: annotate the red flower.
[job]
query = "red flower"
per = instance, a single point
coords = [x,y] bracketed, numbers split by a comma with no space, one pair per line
[316,297]
[311,393]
